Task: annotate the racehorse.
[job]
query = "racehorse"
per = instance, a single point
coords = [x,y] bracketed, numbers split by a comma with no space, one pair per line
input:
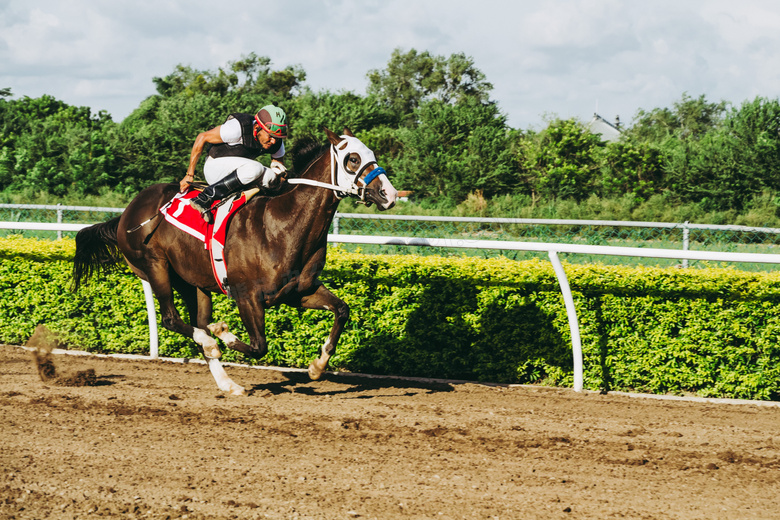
[275,250]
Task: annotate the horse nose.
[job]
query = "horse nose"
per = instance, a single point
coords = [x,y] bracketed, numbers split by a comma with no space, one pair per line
[390,202]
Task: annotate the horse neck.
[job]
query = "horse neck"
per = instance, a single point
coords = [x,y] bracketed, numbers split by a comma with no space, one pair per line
[320,169]
[309,203]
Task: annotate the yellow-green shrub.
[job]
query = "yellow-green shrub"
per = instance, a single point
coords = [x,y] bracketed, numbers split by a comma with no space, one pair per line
[707,331]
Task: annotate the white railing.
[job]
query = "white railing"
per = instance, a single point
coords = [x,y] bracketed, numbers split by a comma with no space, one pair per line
[553,222]
[59,208]
[550,248]
[686,226]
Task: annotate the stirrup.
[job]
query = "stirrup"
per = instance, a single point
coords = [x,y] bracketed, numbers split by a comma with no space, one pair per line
[205,211]
[207,216]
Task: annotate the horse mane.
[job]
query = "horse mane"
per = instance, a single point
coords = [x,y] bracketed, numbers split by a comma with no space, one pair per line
[305,151]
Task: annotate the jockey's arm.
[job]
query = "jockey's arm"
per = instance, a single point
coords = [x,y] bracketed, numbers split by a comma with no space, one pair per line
[211,136]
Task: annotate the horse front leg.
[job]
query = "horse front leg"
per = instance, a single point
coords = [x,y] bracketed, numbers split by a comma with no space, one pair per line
[322,298]
[252,315]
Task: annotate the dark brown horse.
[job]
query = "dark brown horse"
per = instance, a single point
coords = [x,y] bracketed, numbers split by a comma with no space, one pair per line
[274,250]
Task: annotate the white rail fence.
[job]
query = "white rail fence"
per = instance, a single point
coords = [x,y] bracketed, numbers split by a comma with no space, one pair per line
[60,209]
[686,226]
[551,249]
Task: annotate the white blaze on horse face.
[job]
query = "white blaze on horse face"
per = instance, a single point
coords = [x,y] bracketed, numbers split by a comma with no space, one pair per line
[389,191]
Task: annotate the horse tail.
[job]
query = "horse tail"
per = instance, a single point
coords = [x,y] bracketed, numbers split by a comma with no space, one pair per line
[96,252]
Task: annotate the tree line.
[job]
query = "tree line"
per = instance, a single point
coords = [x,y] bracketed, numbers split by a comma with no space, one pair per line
[432,123]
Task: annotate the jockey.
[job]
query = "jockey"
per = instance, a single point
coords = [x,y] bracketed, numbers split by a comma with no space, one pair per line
[234,146]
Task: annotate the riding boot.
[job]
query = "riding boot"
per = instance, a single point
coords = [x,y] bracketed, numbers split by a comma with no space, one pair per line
[219,190]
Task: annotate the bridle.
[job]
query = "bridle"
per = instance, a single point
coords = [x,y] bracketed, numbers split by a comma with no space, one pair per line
[340,174]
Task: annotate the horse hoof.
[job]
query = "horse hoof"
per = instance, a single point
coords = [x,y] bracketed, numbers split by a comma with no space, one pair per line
[314,372]
[217,328]
[237,390]
[212,351]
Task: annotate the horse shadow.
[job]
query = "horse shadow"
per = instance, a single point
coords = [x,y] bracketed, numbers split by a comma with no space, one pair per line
[453,334]
[363,386]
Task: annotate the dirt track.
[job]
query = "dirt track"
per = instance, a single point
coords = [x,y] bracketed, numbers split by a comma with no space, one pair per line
[158,440]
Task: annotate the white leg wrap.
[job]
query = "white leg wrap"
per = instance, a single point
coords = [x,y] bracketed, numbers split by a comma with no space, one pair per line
[229,338]
[209,344]
[223,381]
[221,331]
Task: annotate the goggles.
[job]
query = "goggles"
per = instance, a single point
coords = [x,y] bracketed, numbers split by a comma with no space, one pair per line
[274,129]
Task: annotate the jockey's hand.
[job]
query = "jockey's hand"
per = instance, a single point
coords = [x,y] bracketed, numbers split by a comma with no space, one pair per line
[185,182]
[279,169]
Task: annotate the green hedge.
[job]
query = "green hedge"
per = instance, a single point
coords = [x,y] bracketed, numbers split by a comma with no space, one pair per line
[712,332]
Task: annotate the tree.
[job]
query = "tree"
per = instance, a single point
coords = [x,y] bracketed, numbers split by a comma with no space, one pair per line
[631,167]
[690,119]
[564,162]
[43,143]
[412,78]
[756,127]
[251,74]
[310,112]
[732,164]
[456,150]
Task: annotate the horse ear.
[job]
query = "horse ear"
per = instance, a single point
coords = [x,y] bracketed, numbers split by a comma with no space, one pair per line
[348,132]
[333,138]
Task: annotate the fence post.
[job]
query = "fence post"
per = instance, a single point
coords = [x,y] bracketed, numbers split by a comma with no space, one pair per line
[59,220]
[686,242]
[152,314]
[336,224]
[571,312]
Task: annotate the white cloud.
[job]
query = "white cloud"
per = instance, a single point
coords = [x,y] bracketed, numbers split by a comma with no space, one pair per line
[565,57]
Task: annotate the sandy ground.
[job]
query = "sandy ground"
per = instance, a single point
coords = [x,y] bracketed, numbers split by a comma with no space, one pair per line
[152,439]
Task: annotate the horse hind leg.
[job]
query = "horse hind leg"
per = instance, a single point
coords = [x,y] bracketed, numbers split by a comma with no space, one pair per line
[197,306]
[318,366]
[223,381]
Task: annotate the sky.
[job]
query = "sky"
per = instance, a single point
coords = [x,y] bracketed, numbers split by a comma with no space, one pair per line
[545,59]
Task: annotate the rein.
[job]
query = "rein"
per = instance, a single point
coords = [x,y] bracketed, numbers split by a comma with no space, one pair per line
[353,190]
[341,192]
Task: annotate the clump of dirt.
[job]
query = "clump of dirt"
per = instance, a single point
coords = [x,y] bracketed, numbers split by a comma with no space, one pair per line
[41,344]
[81,378]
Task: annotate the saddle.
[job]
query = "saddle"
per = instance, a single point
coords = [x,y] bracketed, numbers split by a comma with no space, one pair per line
[186,218]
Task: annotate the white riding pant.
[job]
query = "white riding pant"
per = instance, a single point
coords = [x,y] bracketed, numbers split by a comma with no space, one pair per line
[248,170]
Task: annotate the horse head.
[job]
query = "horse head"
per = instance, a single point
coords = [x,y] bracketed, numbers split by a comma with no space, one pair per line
[355,169]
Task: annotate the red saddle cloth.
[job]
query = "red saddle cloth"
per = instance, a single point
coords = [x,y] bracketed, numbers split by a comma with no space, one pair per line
[179,213]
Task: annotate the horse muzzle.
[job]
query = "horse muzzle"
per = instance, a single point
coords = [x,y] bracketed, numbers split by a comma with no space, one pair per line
[383,194]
